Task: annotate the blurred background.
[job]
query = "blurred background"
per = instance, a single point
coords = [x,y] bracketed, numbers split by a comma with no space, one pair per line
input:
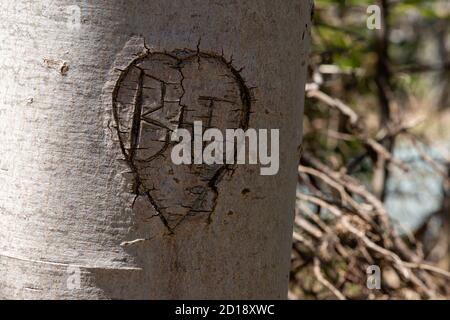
[374,177]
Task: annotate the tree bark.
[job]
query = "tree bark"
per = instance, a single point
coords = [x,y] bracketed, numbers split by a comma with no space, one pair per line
[75,219]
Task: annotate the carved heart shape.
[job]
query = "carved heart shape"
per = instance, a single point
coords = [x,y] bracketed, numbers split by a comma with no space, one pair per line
[160,92]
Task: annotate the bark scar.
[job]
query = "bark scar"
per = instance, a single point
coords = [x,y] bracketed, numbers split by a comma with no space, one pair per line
[154,95]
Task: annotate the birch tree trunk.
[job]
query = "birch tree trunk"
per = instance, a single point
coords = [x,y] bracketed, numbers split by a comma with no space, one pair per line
[81,216]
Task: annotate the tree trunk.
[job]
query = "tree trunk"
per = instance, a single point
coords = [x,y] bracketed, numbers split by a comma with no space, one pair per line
[82,215]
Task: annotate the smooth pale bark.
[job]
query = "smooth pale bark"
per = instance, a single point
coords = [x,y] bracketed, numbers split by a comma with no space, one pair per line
[66,202]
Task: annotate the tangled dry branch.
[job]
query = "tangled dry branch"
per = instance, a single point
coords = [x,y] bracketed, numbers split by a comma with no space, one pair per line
[342,228]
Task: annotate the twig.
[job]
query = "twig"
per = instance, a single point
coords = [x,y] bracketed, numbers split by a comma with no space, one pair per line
[324,281]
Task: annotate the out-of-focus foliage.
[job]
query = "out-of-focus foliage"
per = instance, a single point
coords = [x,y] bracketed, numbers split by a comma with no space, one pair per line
[344,63]
[373,94]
